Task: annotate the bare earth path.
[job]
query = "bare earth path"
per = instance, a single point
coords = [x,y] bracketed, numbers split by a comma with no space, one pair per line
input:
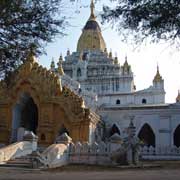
[106,174]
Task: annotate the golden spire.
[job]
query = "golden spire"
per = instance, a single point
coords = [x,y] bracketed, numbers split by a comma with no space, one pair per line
[157,77]
[178,97]
[126,67]
[60,69]
[91,37]
[61,58]
[31,57]
[92,16]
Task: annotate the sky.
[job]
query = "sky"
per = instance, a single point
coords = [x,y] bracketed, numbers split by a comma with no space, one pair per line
[143,59]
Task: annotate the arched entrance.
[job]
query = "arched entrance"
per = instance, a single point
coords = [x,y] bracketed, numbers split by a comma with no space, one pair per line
[114,129]
[147,135]
[177,137]
[25,117]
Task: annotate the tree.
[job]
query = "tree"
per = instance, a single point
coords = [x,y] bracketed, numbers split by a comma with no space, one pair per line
[27,25]
[157,19]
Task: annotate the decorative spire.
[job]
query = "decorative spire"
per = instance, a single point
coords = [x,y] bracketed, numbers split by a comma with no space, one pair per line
[61,58]
[178,97]
[157,77]
[105,50]
[31,57]
[116,59]
[126,65]
[92,6]
[60,69]
[91,37]
[68,52]
[110,54]
[52,65]
[126,58]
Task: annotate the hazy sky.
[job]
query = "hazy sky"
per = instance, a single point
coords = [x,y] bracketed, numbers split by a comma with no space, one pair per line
[143,61]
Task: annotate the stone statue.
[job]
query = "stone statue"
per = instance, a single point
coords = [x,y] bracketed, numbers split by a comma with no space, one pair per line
[129,151]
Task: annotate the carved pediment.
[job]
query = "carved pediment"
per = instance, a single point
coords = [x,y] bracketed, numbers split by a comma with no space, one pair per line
[44,86]
[44,82]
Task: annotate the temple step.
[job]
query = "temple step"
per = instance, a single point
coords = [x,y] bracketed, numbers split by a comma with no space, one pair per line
[21,162]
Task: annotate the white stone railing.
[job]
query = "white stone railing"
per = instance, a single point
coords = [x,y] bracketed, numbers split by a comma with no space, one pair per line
[89,154]
[154,153]
[15,150]
[58,155]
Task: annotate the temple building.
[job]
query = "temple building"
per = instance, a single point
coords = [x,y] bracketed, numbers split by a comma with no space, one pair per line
[89,95]
[35,100]
[99,73]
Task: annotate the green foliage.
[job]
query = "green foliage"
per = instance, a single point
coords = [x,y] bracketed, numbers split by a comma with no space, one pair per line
[27,23]
[158,19]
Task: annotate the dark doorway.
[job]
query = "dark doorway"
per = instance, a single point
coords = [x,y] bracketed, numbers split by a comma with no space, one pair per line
[147,135]
[177,137]
[114,129]
[25,117]
[30,116]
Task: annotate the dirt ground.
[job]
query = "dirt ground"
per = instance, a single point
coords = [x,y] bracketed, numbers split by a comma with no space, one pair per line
[167,171]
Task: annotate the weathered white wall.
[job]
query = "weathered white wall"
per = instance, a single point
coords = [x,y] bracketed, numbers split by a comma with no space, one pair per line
[163,120]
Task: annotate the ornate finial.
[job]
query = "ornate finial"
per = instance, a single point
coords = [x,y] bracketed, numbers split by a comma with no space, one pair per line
[157,77]
[60,69]
[126,58]
[131,128]
[32,53]
[105,50]
[52,64]
[68,52]
[110,54]
[158,68]
[116,59]
[126,67]
[61,58]
[178,97]
[126,62]
[92,16]
[31,57]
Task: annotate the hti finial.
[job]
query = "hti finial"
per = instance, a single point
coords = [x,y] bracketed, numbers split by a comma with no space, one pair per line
[92,10]
[178,97]
[157,67]
[126,58]
[157,77]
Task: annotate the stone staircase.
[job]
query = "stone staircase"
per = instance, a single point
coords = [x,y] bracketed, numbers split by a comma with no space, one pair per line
[25,162]
[18,163]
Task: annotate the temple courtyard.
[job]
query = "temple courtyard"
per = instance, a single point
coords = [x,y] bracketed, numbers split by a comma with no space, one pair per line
[165,171]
